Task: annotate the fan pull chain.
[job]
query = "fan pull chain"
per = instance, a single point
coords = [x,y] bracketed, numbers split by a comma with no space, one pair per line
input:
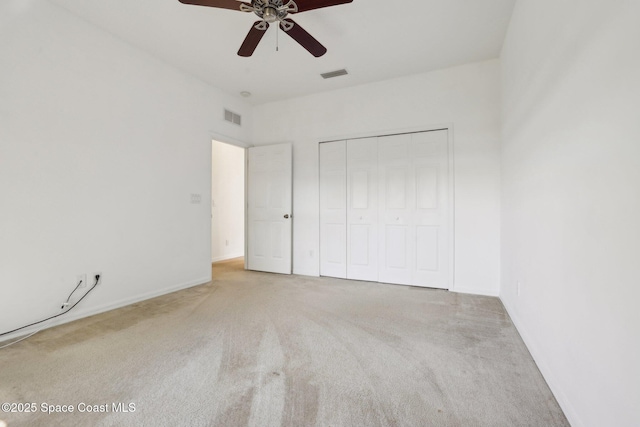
[277,32]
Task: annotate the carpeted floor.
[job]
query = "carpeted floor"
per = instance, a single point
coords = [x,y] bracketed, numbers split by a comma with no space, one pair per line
[257,349]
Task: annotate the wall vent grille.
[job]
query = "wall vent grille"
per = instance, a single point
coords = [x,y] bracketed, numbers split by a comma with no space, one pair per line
[332,74]
[232,117]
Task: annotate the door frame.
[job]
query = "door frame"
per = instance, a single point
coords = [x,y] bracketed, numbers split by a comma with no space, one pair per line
[451,160]
[244,145]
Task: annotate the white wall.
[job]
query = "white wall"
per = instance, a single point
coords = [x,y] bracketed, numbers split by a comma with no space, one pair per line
[227,201]
[466,96]
[101,147]
[571,200]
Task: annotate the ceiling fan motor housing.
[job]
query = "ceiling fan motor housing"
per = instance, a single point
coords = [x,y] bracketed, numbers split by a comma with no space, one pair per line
[271,11]
[270,15]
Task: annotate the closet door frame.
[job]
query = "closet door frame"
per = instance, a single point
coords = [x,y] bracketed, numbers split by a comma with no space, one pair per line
[449,127]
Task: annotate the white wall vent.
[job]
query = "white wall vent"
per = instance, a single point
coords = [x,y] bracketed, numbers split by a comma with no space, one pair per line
[232,117]
[332,74]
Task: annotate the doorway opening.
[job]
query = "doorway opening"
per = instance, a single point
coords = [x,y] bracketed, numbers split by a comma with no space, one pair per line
[227,201]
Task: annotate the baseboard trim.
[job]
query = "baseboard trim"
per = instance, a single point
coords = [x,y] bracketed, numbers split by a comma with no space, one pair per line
[547,373]
[474,291]
[226,257]
[81,314]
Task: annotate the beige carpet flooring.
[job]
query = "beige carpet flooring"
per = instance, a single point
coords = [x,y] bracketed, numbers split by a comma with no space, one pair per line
[258,349]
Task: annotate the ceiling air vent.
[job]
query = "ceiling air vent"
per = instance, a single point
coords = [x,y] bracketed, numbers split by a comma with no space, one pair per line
[232,117]
[333,74]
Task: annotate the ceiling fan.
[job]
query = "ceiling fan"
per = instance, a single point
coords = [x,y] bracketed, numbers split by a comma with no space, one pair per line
[270,11]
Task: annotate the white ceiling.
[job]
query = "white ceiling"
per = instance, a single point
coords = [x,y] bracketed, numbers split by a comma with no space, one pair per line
[370,38]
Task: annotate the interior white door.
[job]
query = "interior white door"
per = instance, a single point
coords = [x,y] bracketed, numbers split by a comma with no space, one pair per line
[269,208]
[430,157]
[362,209]
[414,209]
[333,209]
[395,203]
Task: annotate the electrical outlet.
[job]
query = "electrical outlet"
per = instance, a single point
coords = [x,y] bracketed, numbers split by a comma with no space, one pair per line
[92,278]
[82,279]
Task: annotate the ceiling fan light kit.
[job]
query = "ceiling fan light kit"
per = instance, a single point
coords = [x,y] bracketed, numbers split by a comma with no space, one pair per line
[269,12]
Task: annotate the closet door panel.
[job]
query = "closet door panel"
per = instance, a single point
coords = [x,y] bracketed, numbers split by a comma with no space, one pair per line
[427,243]
[429,153]
[362,209]
[333,209]
[397,188]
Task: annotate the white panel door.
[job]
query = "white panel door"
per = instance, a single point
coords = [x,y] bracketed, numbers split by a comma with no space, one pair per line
[430,156]
[269,208]
[414,209]
[395,203]
[362,209]
[333,209]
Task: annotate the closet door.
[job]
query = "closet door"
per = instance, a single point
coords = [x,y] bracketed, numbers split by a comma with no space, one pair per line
[362,209]
[414,209]
[431,217]
[333,209]
[396,200]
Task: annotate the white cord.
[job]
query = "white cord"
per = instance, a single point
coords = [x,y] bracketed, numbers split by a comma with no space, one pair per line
[44,326]
[21,339]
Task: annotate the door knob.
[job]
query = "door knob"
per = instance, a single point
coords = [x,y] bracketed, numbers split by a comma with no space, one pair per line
[286,216]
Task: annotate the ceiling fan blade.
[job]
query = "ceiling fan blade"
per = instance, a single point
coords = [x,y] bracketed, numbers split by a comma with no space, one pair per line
[304,5]
[253,38]
[305,39]
[222,4]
